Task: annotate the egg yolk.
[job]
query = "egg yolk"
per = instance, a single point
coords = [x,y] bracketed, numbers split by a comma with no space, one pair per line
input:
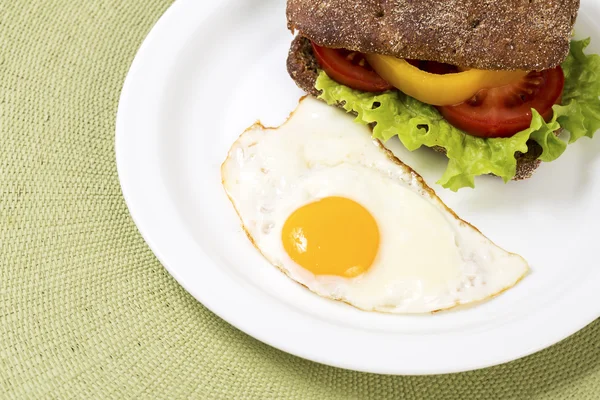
[332,236]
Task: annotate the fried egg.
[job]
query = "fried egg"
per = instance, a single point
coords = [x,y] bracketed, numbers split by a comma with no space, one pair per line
[335,210]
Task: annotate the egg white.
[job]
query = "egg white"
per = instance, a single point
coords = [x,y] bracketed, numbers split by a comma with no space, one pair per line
[428,258]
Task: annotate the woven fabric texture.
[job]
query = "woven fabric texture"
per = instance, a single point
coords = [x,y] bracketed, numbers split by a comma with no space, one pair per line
[86,311]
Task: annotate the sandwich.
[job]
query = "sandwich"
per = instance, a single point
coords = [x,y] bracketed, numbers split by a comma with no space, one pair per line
[490,83]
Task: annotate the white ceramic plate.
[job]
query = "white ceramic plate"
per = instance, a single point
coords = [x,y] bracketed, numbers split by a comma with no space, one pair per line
[210,69]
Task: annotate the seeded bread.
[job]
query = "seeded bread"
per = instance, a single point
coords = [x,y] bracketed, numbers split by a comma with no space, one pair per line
[485,34]
[303,68]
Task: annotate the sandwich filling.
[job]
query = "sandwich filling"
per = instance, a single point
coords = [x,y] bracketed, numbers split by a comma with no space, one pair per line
[481,118]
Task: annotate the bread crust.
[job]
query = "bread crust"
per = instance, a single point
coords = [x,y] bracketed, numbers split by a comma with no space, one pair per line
[303,68]
[484,34]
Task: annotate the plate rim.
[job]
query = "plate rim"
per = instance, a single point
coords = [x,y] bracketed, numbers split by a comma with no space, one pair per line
[133,184]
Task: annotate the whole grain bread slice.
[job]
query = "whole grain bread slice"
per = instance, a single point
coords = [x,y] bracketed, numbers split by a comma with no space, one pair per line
[485,34]
[303,68]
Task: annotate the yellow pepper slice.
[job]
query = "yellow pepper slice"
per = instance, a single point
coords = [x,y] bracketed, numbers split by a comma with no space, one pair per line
[435,89]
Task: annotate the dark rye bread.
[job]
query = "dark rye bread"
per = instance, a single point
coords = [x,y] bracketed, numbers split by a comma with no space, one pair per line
[303,68]
[485,34]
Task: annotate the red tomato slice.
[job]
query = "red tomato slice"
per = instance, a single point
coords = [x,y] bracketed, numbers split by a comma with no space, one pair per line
[506,110]
[349,68]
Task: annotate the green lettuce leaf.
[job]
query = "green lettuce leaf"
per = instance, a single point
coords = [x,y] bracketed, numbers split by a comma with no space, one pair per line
[417,124]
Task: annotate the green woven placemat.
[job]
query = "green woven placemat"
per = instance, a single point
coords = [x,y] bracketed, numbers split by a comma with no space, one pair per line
[86,310]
